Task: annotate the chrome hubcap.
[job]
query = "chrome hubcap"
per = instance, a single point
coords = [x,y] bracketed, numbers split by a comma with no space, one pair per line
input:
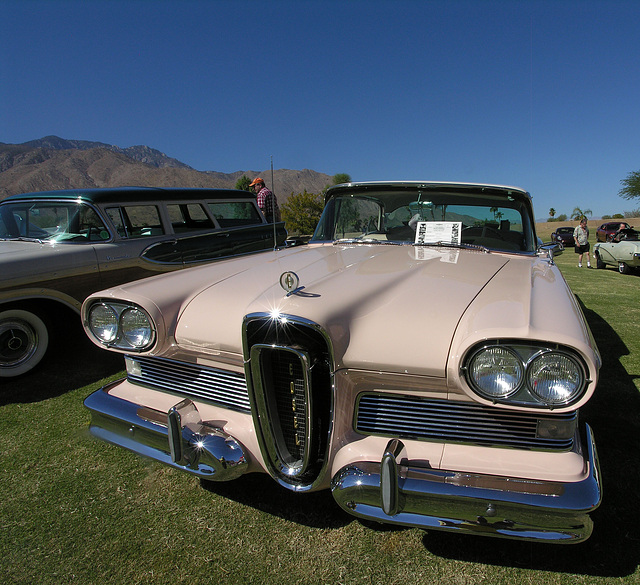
[18,342]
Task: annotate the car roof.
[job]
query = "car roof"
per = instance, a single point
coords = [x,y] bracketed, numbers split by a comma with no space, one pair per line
[434,186]
[131,194]
[429,185]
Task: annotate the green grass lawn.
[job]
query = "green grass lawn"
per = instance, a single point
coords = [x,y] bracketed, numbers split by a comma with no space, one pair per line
[75,510]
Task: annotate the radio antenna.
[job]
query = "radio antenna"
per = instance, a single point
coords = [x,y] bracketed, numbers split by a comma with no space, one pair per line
[273,215]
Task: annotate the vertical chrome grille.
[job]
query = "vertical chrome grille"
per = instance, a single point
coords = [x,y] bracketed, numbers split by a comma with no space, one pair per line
[289,383]
[290,395]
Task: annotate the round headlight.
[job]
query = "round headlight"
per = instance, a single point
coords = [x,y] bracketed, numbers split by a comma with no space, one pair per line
[103,323]
[496,372]
[555,378]
[136,328]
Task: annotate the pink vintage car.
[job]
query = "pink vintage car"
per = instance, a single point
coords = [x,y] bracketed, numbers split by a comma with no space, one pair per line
[422,357]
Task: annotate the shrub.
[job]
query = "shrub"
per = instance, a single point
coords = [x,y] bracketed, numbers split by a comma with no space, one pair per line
[301,212]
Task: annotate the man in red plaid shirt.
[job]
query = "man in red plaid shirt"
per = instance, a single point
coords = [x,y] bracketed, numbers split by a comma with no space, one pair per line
[267,201]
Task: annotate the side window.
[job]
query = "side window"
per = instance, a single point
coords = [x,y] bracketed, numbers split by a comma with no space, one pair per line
[188,217]
[136,221]
[91,225]
[235,213]
[116,217]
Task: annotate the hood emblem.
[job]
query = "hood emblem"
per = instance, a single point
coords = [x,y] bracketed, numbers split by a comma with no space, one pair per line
[290,282]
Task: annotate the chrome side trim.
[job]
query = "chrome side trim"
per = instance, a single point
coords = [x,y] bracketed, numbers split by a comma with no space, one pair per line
[503,507]
[179,439]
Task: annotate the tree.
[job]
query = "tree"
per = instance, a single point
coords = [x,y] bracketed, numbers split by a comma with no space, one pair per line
[341,178]
[301,212]
[243,183]
[338,179]
[552,212]
[630,186]
[579,214]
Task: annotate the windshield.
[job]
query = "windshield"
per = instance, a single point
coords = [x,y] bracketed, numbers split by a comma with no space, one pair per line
[51,221]
[411,216]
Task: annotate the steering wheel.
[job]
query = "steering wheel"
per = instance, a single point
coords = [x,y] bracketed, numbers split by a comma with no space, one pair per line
[489,232]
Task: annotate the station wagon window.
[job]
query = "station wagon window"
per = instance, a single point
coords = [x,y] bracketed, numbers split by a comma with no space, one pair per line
[187,217]
[52,221]
[235,213]
[136,221]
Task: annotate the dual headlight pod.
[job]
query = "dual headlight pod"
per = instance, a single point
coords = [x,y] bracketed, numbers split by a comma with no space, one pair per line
[523,374]
[120,325]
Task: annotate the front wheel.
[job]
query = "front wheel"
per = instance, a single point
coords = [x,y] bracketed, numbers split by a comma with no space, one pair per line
[623,268]
[599,263]
[23,342]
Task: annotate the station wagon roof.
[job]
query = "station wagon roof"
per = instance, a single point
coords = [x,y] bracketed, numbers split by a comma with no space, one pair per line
[131,194]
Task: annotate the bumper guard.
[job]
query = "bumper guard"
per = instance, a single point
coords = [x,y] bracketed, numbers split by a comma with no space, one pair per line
[392,491]
[178,438]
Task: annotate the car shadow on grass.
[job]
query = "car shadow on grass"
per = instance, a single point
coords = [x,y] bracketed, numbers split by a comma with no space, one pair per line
[71,362]
[613,550]
[316,509]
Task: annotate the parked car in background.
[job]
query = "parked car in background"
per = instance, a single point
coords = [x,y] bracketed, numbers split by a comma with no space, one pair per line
[623,251]
[564,236]
[422,357]
[56,247]
[606,231]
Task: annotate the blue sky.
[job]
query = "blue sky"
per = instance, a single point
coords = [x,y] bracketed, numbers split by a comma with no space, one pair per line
[544,95]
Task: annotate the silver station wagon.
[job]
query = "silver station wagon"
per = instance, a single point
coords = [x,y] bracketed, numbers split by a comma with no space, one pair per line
[56,247]
[422,357]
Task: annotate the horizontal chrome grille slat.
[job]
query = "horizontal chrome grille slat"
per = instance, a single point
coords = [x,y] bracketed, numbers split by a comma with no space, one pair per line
[460,422]
[227,389]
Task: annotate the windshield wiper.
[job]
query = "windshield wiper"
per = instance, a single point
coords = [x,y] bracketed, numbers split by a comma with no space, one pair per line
[22,239]
[368,241]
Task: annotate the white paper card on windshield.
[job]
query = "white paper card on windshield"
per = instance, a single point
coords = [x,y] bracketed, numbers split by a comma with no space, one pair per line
[432,232]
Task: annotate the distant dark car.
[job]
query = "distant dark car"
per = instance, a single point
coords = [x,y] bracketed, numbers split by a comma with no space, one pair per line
[606,231]
[57,247]
[564,236]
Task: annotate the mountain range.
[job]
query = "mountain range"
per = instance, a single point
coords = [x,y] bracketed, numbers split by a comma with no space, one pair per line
[56,163]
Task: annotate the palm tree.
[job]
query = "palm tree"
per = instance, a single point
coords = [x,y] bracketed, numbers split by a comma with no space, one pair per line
[579,214]
[552,212]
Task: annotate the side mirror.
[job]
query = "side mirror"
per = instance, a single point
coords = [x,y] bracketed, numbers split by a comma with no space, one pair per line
[549,249]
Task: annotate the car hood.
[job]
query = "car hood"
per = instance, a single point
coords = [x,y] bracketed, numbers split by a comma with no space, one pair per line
[392,308]
[23,261]
[22,247]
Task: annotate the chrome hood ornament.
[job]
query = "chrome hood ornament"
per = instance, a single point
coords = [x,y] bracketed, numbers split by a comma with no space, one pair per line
[290,282]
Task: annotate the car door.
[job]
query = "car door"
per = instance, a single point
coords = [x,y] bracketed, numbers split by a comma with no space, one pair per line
[137,226]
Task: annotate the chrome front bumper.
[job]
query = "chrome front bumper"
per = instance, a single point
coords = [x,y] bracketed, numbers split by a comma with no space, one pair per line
[178,438]
[391,491]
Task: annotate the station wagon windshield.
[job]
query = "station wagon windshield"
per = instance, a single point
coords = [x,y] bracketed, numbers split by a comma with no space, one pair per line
[51,221]
[407,216]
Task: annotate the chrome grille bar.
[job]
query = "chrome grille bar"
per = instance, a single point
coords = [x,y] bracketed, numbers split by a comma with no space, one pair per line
[224,388]
[460,422]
